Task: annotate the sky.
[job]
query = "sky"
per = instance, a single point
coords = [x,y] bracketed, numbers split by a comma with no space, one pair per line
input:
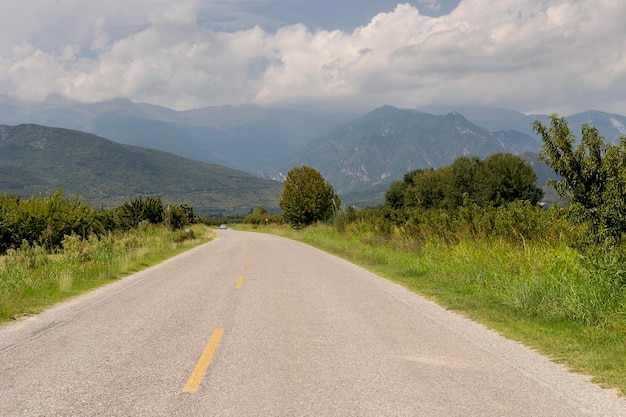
[533,56]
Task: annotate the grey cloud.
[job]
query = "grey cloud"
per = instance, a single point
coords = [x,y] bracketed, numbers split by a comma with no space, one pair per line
[562,55]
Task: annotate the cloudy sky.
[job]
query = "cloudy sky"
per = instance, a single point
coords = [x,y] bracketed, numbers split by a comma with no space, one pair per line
[528,55]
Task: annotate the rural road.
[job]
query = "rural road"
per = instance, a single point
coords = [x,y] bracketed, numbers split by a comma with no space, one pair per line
[257,325]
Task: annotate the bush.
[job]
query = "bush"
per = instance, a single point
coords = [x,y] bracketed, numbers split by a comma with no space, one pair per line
[176,217]
[258,216]
[130,214]
[44,220]
[48,220]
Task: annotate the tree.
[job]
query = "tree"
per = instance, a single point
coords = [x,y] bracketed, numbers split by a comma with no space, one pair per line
[592,177]
[176,217]
[424,188]
[499,179]
[191,213]
[307,197]
[462,180]
[258,216]
[394,196]
[507,177]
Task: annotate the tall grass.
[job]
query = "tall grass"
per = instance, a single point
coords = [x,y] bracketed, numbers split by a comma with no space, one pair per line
[32,278]
[526,273]
[539,280]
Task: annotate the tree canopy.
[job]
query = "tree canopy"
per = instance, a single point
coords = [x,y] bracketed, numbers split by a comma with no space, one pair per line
[498,179]
[307,197]
[592,176]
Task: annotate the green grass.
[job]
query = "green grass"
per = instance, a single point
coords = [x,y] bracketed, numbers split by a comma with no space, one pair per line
[32,279]
[551,298]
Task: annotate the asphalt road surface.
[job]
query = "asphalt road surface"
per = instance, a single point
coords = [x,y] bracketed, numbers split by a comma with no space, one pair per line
[257,325]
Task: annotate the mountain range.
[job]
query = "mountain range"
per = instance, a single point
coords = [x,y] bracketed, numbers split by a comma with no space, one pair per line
[247,138]
[359,154]
[37,159]
[610,125]
[383,145]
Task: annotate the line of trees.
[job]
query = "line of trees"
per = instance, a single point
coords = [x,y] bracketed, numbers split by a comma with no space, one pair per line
[46,220]
[494,181]
[498,180]
[591,178]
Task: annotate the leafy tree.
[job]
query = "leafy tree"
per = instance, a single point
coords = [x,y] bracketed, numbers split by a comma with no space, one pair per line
[508,178]
[307,197]
[499,179]
[190,212]
[425,188]
[462,180]
[394,196]
[592,176]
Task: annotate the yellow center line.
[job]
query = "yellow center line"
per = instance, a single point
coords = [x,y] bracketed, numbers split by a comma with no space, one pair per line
[247,261]
[193,383]
[240,282]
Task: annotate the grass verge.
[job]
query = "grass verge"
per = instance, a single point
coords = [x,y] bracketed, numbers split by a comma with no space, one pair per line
[549,298]
[32,279]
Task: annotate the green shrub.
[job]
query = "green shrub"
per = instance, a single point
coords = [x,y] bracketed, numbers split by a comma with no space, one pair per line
[44,220]
[131,214]
[176,217]
[258,216]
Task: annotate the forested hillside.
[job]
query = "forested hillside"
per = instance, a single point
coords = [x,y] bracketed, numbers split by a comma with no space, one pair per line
[36,159]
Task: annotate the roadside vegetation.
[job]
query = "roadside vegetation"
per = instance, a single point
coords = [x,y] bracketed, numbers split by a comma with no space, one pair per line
[53,247]
[472,237]
[566,303]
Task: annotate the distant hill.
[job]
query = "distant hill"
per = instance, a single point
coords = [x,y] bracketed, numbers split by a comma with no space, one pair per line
[37,159]
[248,138]
[386,143]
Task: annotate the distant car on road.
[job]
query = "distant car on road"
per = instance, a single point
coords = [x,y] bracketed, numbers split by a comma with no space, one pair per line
[223,226]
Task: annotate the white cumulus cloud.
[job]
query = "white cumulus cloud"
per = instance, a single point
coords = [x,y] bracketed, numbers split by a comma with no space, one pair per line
[529,55]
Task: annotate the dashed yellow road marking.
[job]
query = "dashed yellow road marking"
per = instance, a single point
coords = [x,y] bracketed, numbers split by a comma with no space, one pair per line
[240,282]
[193,383]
